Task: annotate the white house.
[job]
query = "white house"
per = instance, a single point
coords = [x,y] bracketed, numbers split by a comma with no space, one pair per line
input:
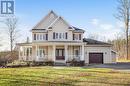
[54,39]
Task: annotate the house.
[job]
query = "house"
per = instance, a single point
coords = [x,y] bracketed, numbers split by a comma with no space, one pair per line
[54,39]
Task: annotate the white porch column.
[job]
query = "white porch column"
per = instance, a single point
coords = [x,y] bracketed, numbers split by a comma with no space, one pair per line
[54,52]
[82,57]
[25,53]
[36,52]
[66,52]
[19,50]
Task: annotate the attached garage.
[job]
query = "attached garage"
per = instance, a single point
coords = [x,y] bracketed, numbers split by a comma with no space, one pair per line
[95,58]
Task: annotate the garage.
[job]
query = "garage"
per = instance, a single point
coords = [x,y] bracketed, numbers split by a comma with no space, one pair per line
[96,58]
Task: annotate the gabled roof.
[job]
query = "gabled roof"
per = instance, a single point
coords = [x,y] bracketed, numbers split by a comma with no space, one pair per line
[43,19]
[94,42]
[57,18]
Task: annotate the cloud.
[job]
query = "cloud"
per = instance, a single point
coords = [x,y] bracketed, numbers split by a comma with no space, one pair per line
[95,22]
[106,30]
[106,26]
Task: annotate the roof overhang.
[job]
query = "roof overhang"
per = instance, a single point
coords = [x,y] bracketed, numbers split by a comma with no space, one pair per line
[94,45]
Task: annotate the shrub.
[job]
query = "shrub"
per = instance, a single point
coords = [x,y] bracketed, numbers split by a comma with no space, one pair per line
[49,63]
[75,62]
[17,64]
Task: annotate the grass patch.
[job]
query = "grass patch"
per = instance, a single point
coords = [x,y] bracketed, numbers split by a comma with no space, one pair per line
[123,60]
[68,76]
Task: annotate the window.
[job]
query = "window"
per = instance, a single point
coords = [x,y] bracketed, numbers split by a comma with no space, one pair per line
[76,36]
[30,51]
[79,36]
[56,35]
[37,36]
[73,36]
[34,36]
[60,35]
[76,53]
[40,36]
[46,36]
[42,53]
[53,35]
[66,35]
[59,52]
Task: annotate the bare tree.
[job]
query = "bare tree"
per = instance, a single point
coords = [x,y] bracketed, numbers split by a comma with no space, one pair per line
[124,16]
[11,24]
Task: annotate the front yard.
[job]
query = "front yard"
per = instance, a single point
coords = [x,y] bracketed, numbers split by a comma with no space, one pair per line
[60,76]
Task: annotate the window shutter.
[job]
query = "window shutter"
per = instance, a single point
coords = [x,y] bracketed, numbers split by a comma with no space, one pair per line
[46,36]
[53,35]
[66,35]
[79,36]
[73,36]
[34,36]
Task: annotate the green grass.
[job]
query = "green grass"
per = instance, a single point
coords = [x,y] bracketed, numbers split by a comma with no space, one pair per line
[68,76]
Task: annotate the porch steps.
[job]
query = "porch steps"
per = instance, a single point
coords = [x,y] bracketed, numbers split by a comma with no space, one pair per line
[60,64]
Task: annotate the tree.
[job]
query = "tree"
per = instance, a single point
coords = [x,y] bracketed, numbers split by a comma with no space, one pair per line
[12,31]
[124,16]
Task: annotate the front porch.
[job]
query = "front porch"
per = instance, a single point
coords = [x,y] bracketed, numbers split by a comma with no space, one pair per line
[52,52]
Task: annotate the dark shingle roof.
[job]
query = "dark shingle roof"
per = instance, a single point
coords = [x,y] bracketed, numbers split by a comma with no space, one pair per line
[92,41]
[77,28]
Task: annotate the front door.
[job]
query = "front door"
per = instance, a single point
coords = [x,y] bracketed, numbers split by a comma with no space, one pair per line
[60,54]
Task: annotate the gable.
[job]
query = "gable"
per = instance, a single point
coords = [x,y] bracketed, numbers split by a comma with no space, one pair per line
[60,25]
[46,21]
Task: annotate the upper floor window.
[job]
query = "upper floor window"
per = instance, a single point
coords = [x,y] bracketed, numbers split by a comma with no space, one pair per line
[76,36]
[34,36]
[40,37]
[60,35]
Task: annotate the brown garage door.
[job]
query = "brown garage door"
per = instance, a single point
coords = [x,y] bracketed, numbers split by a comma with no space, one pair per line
[96,58]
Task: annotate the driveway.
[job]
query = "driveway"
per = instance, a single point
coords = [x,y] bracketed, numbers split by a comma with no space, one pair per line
[118,66]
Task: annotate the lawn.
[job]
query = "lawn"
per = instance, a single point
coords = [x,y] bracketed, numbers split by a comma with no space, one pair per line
[60,76]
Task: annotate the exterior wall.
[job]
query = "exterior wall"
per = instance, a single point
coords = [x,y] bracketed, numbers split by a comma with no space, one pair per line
[113,55]
[60,26]
[107,58]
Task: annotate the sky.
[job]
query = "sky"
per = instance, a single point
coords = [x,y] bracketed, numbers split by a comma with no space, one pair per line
[94,16]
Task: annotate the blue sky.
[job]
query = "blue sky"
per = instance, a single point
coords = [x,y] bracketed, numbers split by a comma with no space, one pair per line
[94,16]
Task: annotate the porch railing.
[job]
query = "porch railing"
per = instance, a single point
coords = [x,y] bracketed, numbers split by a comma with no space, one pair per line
[49,58]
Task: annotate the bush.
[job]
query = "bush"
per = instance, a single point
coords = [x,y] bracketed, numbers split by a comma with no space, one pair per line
[17,64]
[75,62]
[49,63]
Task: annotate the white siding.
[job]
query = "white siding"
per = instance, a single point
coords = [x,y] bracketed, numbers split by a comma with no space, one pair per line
[60,27]
[107,58]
